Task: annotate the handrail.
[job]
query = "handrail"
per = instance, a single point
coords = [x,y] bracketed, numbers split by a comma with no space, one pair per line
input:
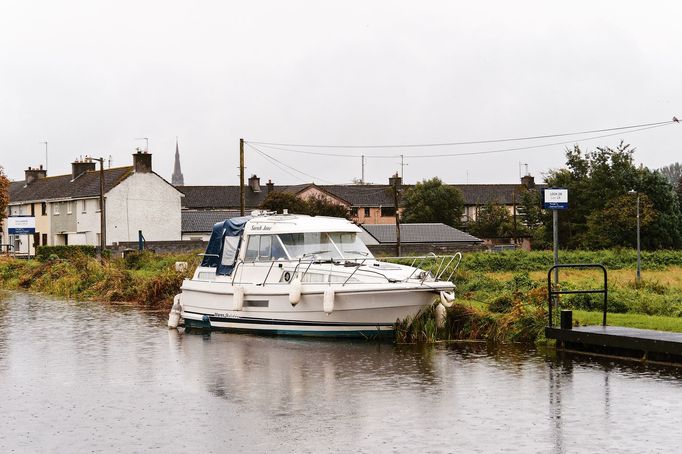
[351,274]
[551,293]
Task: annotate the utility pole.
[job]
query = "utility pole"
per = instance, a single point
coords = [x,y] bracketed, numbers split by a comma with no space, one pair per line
[102,211]
[396,200]
[241,177]
[638,279]
[363,169]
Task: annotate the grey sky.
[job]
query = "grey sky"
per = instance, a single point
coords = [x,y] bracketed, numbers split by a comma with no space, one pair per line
[90,76]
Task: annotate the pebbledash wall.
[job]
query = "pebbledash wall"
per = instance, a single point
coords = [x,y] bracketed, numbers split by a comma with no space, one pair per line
[146,202]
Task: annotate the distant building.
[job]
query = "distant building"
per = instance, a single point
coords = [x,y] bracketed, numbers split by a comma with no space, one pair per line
[67,211]
[418,238]
[177,179]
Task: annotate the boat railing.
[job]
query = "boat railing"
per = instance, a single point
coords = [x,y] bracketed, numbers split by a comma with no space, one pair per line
[441,263]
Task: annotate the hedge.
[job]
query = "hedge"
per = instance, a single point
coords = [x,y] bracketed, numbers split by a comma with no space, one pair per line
[44,253]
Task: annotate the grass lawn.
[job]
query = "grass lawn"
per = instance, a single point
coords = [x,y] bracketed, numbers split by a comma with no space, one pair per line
[656,322]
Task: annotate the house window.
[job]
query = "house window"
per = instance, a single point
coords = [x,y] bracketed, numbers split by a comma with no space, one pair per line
[33,210]
[387,211]
[354,212]
[366,212]
[55,208]
[83,206]
[43,208]
[44,239]
[69,207]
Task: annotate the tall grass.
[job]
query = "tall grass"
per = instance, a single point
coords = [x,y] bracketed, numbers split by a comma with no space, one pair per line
[144,278]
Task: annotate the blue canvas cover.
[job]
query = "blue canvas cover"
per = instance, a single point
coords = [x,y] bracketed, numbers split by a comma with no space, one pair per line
[214,250]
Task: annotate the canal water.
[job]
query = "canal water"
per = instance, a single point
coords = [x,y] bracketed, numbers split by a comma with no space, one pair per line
[89,377]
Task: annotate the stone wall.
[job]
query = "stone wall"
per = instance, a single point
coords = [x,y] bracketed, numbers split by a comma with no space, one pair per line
[162,247]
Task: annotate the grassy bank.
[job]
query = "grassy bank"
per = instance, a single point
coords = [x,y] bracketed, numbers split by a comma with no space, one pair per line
[503,297]
[143,278]
[500,297]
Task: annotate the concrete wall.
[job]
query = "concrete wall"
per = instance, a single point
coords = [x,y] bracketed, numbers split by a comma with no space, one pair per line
[388,250]
[163,247]
[143,201]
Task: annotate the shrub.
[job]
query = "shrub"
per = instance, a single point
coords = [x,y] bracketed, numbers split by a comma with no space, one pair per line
[46,253]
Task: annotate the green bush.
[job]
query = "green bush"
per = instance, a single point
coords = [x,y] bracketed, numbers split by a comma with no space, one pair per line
[501,304]
[47,253]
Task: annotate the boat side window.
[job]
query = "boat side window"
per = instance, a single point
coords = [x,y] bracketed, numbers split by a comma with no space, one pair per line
[264,248]
[230,247]
[252,248]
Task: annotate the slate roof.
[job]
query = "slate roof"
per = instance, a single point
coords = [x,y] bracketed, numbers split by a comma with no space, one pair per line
[419,233]
[62,186]
[358,195]
[203,221]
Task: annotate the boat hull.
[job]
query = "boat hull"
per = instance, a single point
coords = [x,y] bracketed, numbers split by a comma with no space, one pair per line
[356,311]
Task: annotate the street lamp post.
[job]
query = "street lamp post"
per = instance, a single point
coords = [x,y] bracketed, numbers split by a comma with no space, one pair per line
[638,276]
[639,258]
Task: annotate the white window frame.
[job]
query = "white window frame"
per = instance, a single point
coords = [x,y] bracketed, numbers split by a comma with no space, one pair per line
[55,208]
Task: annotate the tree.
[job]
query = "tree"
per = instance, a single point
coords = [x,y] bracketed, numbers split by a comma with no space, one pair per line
[4,195]
[314,206]
[672,172]
[597,182]
[322,206]
[432,201]
[492,221]
[280,201]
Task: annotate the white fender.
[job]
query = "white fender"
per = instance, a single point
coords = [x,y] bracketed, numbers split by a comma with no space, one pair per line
[174,316]
[238,298]
[328,301]
[440,316]
[447,298]
[295,291]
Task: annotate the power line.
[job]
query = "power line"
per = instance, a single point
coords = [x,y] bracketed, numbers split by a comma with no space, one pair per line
[469,153]
[471,142]
[285,165]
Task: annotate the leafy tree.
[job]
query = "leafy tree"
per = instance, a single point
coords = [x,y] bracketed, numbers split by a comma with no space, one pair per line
[672,172]
[322,206]
[4,194]
[314,206]
[433,201]
[597,182]
[492,221]
[280,201]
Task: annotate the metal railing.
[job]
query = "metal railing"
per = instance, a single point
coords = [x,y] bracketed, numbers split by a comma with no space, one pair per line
[551,292]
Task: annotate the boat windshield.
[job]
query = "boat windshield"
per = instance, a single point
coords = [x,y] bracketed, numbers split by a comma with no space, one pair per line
[322,245]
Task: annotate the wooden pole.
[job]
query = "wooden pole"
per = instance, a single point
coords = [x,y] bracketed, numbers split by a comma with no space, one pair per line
[102,211]
[241,177]
[397,215]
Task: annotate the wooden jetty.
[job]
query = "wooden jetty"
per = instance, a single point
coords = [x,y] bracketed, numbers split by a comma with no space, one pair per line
[611,340]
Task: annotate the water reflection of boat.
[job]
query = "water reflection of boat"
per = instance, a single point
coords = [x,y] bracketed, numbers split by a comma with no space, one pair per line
[293,274]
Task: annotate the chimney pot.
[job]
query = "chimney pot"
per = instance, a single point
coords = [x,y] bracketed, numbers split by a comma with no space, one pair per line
[32,174]
[254,183]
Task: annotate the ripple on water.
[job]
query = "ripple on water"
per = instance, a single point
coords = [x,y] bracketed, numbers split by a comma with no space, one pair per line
[94,377]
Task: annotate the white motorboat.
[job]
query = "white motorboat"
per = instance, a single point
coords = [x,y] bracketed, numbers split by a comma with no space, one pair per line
[303,275]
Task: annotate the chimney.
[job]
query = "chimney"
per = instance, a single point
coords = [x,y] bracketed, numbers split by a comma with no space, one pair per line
[32,175]
[270,185]
[142,161]
[528,181]
[80,167]
[395,180]
[254,183]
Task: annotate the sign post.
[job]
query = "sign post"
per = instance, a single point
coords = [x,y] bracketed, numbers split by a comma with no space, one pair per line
[22,225]
[555,199]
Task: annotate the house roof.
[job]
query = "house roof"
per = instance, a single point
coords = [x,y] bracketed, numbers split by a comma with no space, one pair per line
[203,221]
[419,233]
[64,187]
[358,195]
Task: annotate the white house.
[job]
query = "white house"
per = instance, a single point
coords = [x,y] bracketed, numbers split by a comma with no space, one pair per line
[66,207]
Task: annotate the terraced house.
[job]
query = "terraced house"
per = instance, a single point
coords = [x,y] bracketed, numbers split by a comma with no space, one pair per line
[67,209]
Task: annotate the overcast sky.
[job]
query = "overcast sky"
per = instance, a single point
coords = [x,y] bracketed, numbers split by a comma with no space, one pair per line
[91,76]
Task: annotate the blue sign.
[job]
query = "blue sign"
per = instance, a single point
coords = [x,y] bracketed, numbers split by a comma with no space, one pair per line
[21,225]
[555,199]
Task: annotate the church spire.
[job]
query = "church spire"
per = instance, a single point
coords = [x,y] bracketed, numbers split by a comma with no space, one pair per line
[177,179]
